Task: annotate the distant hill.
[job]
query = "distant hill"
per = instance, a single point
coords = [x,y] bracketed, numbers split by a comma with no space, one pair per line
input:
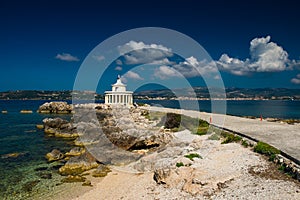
[40,95]
[231,93]
[201,92]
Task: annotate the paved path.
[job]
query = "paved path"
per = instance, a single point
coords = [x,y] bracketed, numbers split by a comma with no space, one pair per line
[282,136]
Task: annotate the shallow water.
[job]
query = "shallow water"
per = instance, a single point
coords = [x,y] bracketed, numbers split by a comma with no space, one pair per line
[22,152]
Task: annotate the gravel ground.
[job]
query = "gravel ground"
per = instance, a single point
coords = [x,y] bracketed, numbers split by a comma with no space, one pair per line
[226,171]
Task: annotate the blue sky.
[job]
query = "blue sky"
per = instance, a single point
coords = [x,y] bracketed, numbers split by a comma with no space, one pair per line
[43,43]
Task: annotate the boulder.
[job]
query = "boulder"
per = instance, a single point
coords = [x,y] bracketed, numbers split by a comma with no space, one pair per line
[73,178]
[54,155]
[161,175]
[101,171]
[76,151]
[26,111]
[58,107]
[87,183]
[39,126]
[59,128]
[78,164]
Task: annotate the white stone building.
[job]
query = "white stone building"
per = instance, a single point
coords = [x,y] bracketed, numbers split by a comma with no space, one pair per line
[118,94]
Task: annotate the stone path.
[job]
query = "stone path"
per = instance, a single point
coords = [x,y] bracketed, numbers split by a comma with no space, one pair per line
[280,135]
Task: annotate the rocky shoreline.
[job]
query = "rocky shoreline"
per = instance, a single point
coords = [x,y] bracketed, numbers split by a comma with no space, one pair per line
[187,165]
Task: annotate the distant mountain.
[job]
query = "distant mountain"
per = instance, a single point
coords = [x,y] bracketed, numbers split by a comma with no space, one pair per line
[231,93]
[40,95]
[201,92]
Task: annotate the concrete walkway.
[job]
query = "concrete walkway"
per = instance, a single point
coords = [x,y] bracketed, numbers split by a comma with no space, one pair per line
[280,135]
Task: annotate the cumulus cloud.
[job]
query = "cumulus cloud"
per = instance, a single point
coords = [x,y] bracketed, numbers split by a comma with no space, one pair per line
[191,67]
[118,62]
[99,57]
[265,56]
[66,57]
[296,80]
[132,75]
[141,53]
[118,68]
[164,72]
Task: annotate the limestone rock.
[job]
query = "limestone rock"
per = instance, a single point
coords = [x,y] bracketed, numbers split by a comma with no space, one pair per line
[73,178]
[161,175]
[26,111]
[55,107]
[54,155]
[101,171]
[59,128]
[78,164]
[76,151]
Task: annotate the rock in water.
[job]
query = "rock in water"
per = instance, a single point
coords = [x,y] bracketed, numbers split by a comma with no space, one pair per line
[59,128]
[58,107]
[54,155]
[72,179]
[78,164]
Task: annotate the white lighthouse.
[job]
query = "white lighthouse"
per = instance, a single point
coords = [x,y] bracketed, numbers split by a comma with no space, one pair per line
[118,94]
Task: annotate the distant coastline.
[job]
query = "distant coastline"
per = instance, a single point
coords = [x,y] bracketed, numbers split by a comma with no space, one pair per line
[198,93]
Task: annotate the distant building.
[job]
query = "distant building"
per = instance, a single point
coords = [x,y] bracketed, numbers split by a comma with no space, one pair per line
[118,94]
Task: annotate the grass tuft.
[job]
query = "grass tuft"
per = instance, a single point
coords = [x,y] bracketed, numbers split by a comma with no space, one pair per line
[192,156]
[179,164]
[267,150]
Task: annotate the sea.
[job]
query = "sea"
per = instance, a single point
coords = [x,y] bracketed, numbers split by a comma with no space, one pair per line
[26,174]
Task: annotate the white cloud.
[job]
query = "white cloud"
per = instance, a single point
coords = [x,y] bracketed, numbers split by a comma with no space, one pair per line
[217,77]
[265,56]
[191,67]
[164,72]
[118,68]
[99,57]
[66,57]
[118,62]
[296,80]
[132,75]
[141,53]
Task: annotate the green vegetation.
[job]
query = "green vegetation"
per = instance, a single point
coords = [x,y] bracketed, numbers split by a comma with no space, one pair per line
[245,143]
[229,137]
[267,150]
[177,122]
[179,164]
[192,156]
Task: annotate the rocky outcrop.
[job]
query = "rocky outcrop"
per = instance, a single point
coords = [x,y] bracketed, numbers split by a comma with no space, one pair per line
[130,130]
[78,164]
[58,107]
[59,128]
[101,171]
[76,151]
[161,175]
[54,155]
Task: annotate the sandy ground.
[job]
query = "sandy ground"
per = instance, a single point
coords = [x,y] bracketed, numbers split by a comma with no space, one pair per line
[226,171]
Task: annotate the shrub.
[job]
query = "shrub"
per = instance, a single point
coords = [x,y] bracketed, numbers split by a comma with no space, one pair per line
[192,156]
[267,150]
[179,164]
[245,143]
[201,130]
[230,138]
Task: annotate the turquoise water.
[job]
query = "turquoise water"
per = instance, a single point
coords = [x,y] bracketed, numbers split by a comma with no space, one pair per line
[22,176]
